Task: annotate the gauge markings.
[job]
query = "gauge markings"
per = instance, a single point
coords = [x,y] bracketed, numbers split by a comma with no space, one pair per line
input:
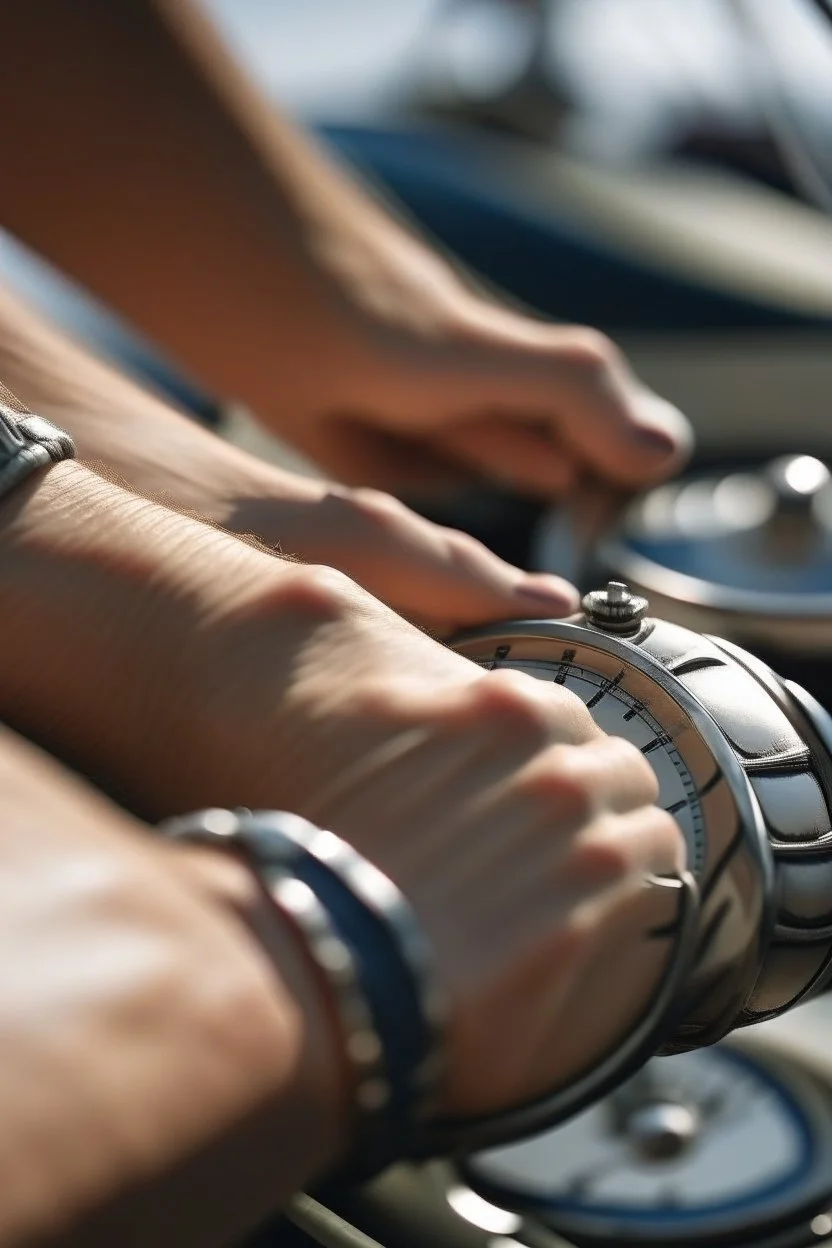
[635,709]
[607,687]
[566,661]
[657,743]
[677,806]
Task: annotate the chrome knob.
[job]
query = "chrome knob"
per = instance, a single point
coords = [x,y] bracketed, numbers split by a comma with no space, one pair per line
[663,1132]
[615,609]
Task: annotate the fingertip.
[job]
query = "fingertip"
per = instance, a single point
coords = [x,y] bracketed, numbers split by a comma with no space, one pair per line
[543,595]
[664,433]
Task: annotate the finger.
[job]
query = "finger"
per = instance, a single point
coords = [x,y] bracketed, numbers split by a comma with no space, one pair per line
[460,747]
[618,960]
[647,839]
[614,776]
[511,453]
[574,379]
[437,575]
[567,792]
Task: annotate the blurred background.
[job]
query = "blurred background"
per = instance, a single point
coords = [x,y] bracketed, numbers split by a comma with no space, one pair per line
[656,170]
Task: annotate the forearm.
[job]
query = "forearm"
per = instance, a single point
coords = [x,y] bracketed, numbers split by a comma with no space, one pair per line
[185,205]
[168,1077]
[109,604]
[139,437]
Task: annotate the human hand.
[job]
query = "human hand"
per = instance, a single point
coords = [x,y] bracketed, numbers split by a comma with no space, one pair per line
[442,578]
[438,577]
[432,380]
[523,836]
[277,279]
[187,669]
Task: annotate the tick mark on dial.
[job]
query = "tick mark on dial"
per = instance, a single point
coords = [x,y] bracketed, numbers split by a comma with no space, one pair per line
[661,740]
[566,660]
[676,807]
[607,687]
[634,710]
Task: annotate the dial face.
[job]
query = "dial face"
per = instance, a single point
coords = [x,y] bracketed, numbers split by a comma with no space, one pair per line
[706,1140]
[624,702]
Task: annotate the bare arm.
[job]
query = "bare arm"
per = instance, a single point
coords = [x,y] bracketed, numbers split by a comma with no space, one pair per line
[139,157]
[444,578]
[157,1054]
[180,668]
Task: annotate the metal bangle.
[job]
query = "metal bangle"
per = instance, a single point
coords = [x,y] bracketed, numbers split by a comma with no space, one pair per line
[27,443]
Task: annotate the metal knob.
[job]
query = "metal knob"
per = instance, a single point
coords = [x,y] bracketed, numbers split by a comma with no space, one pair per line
[797,480]
[663,1132]
[615,609]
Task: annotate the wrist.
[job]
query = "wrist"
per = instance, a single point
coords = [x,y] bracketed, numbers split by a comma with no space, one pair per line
[309,1064]
[371,959]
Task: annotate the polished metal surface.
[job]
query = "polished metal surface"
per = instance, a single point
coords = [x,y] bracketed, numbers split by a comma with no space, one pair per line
[771,755]
[615,609]
[744,761]
[746,554]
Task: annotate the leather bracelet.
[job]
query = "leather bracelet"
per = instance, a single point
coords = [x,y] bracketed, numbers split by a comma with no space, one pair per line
[319,854]
[27,443]
[339,901]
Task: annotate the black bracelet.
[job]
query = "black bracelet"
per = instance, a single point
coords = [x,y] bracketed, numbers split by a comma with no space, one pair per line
[393,965]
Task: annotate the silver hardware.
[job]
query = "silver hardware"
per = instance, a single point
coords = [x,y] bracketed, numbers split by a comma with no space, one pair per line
[615,609]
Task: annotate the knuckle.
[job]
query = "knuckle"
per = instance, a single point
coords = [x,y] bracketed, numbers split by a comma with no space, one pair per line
[615,754]
[646,840]
[510,699]
[462,547]
[517,703]
[603,859]
[318,592]
[384,701]
[374,506]
[560,788]
[666,837]
[589,351]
